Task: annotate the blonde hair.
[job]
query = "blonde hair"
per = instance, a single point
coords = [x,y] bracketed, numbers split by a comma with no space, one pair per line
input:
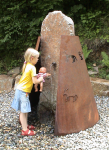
[30,52]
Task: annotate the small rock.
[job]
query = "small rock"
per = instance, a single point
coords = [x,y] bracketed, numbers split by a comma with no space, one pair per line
[95,69]
[14,71]
[90,72]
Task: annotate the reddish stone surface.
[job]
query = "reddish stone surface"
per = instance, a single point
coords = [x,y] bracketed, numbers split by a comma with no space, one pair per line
[76,108]
[54,25]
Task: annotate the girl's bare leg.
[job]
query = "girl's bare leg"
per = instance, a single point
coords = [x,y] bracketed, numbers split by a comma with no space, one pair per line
[27,118]
[23,119]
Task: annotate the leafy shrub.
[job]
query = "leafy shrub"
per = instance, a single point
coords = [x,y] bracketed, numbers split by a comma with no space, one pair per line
[105,60]
[86,52]
[107,77]
[1,66]
[89,65]
[20,23]
[102,73]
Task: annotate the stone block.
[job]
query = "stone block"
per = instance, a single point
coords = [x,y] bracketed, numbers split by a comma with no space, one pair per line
[99,86]
[105,93]
[6,83]
[90,72]
[14,72]
[54,25]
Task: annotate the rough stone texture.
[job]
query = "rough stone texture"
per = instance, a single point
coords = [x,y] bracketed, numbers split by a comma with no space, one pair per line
[100,86]
[105,93]
[14,72]
[96,69]
[54,25]
[6,83]
[90,72]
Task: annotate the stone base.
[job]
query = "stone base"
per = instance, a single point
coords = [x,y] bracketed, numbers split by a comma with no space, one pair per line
[6,83]
[100,86]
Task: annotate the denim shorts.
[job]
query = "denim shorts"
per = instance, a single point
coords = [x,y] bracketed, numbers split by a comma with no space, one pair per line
[21,102]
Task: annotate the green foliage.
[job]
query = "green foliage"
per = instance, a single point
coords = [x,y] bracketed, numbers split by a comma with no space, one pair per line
[1,66]
[91,24]
[20,24]
[89,66]
[86,52]
[102,73]
[105,60]
[107,77]
[8,63]
[94,20]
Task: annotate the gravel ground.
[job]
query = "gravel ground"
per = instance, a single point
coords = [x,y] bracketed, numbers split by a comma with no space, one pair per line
[95,138]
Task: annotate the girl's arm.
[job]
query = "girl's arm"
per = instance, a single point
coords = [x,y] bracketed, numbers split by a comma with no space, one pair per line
[37,81]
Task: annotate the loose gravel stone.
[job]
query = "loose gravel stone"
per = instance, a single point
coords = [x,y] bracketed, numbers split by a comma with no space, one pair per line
[95,138]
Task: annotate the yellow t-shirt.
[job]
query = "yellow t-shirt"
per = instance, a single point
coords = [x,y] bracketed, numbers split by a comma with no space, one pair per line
[25,84]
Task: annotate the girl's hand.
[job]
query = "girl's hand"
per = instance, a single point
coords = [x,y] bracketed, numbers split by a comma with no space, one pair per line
[37,81]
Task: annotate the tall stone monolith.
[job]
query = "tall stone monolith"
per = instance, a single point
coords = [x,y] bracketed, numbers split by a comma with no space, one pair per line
[54,25]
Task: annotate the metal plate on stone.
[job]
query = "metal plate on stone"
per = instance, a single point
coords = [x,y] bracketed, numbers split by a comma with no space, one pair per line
[76,108]
[38,43]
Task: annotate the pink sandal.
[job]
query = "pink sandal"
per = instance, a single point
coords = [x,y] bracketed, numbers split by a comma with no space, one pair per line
[30,127]
[28,132]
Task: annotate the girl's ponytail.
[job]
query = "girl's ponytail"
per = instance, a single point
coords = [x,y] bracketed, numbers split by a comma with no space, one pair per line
[24,66]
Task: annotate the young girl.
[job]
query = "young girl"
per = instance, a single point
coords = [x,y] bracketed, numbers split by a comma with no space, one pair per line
[21,99]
